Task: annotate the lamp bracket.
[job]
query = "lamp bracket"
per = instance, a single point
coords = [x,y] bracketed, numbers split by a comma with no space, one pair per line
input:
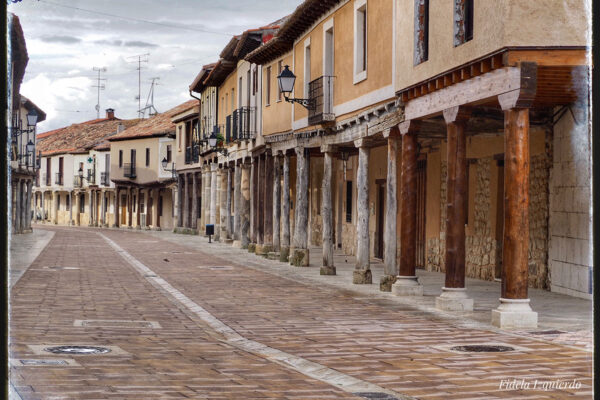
[306,103]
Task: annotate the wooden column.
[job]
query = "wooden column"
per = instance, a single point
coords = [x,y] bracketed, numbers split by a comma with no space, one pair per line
[186,200]
[276,202]
[299,254]
[362,270]
[116,213]
[213,196]
[206,198]
[193,223]
[180,200]
[261,209]
[223,203]
[77,208]
[328,267]
[284,251]
[245,206]
[29,185]
[155,214]
[236,201]
[43,206]
[251,229]
[71,222]
[268,205]
[453,296]
[228,200]
[406,283]
[129,207]
[390,248]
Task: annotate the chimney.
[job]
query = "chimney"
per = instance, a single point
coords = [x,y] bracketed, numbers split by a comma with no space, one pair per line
[120,127]
[110,113]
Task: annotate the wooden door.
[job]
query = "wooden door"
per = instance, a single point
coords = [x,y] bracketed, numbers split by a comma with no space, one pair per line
[123,210]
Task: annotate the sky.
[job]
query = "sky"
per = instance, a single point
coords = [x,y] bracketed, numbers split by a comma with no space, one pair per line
[67,39]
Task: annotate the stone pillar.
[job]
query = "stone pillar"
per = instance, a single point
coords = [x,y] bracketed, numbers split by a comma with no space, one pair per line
[390,250]
[245,206]
[299,254]
[328,267]
[129,208]
[268,205]
[362,270]
[193,223]
[77,206]
[236,205]
[218,227]
[407,283]
[206,198]
[454,296]
[55,207]
[223,214]
[514,310]
[138,209]
[251,236]
[71,222]
[103,208]
[29,185]
[43,206]
[284,252]
[116,223]
[254,195]
[228,201]
[276,203]
[155,218]
[213,195]
[186,201]
[180,195]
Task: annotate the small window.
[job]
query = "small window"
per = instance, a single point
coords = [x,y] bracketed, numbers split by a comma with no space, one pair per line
[421,40]
[306,67]
[279,68]
[147,156]
[120,158]
[179,138]
[168,153]
[349,201]
[360,41]
[463,21]
[268,85]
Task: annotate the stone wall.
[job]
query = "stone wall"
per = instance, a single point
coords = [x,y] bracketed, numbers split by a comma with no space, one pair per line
[570,260]
[539,172]
[436,247]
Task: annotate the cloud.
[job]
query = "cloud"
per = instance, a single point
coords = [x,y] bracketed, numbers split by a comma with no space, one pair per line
[109,42]
[60,39]
[137,43]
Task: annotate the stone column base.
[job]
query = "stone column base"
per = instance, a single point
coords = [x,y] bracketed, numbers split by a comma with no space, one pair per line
[139,228]
[237,244]
[284,254]
[454,299]
[407,286]
[263,249]
[386,282]
[228,241]
[299,257]
[251,246]
[362,277]
[327,270]
[273,255]
[514,314]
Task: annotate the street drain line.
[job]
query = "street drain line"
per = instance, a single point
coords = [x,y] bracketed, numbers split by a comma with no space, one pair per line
[311,369]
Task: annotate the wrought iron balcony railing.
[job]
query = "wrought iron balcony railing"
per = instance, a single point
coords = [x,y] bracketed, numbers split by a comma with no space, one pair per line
[243,124]
[129,170]
[192,153]
[91,177]
[320,94]
[104,178]
[58,178]
[77,181]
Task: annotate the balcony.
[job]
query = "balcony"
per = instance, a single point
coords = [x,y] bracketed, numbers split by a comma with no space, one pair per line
[104,178]
[320,94]
[192,154]
[58,179]
[77,181]
[91,177]
[129,170]
[241,125]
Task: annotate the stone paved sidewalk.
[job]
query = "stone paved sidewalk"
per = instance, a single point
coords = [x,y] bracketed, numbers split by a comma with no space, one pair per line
[323,323]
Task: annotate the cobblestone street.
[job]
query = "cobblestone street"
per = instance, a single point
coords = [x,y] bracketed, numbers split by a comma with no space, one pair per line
[188,319]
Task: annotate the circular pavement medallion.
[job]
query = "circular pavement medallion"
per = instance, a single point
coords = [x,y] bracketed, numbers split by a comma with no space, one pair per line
[77,350]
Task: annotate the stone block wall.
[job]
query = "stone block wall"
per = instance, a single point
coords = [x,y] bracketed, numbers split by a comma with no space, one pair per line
[570,260]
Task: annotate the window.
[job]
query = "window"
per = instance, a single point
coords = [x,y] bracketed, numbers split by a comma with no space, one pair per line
[225,102]
[463,21]
[360,40]
[179,138]
[120,158]
[132,157]
[147,156]
[232,99]
[421,31]
[240,93]
[268,89]
[348,201]
[328,48]
[68,203]
[168,153]
[279,68]
[306,66]
[255,81]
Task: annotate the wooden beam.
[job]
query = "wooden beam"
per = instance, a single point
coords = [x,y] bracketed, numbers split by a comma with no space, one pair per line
[554,57]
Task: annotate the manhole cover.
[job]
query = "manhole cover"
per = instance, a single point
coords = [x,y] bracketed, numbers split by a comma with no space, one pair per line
[376,395]
[554,332]
[77,350]
[479,348]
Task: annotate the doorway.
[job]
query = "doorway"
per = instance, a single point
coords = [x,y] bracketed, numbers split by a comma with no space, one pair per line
[123,210]
[421,217]
[499,219]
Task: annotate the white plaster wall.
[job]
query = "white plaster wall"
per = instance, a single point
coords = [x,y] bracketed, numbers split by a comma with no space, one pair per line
[569,258]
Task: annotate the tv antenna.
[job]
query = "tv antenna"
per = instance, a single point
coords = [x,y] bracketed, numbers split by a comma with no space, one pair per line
[100,87]
[141,58]
[150,100]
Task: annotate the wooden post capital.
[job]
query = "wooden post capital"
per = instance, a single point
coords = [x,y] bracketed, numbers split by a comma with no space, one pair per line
[410,126]
[393,132]
[523,96]
[457,114]
[364,142]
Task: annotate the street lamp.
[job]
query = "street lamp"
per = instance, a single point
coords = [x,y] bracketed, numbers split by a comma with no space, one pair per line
[165,164]
[212,142]
[286,80]
[32,118]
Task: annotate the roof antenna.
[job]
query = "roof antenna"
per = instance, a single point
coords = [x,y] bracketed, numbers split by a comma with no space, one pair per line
[100,87]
